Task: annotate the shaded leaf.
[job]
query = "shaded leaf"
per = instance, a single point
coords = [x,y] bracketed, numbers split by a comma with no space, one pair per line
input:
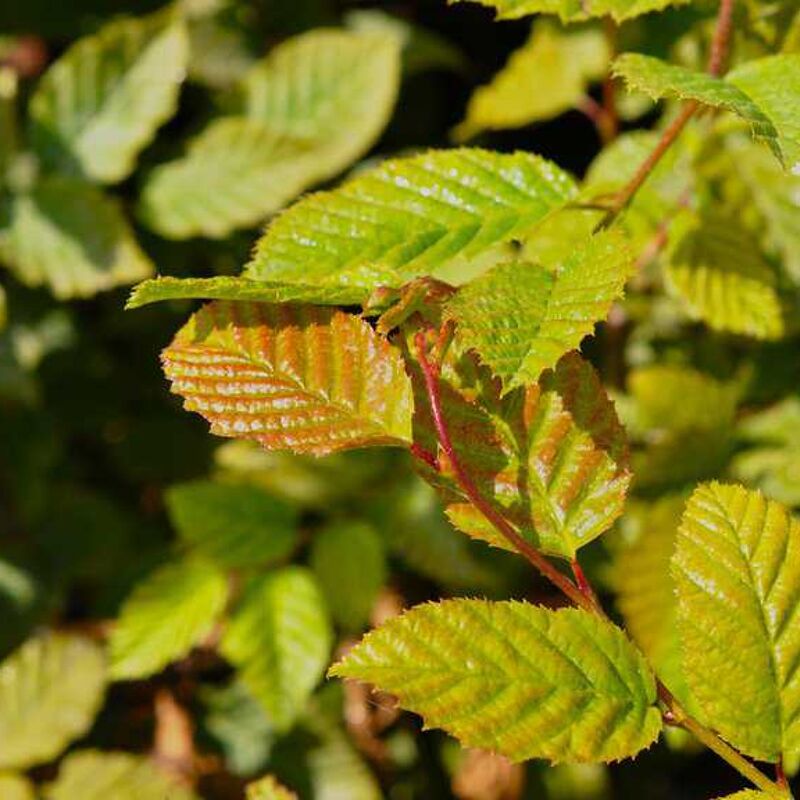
[349,562]
[92,775]
[169,612]
[551,457]
[291,377]
[51,688]
[548,75]
[521,318]
[269,789]
[234,525]
[737,572]
[232,288]
[522,680]
[409,217]
[279,637]
[572,10]
[71,237]
[103,101]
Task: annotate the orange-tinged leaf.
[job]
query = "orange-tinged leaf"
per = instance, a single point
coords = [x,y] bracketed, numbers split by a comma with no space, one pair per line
[312,380]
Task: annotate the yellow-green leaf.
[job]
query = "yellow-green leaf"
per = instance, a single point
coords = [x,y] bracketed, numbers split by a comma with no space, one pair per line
[68,235]
[737,572]
[573,10]
[521,318]
[425,215]
[292,377]
[16,787]
[518,679]
[51,689]
[167,613]
[548,75]
[103,101]
[268,788]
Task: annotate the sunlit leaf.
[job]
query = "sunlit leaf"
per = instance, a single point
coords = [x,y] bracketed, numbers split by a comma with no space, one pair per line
[103,101]
[168,613]
[747,794]
[279,637]
[291,377]
[551,457]
[737,572]
[69,236]
[16,787]
[426,214]
[225,287]
[572,10]
[51,689]
[269,789]
[518,679]
[92,775]
[548,75]
[521,318]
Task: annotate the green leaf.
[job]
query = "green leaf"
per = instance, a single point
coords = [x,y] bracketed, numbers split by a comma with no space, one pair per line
[73,238]
[92,775]
[232,288]
[762,92]
[169,612]
[521,318]
[747,794]
[233,525]
[717,269]
[3,308]
[350,565]
[548,75]
[280,638]
[737,572]
[289,135]
[772,460]
[302,378]
[268,788]
[103,101]
[428,214]
[552,457]
[51,688]
[521,680]
[573,10]
[16,787]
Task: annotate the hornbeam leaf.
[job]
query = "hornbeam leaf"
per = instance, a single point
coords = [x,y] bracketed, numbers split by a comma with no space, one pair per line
[747,794]
[50,691]
[424,215]
[293,377]
[168,613]
[737,573]
[16,787]
[268,788]
[70,236]
[762,92]
[548,75]
[280,639]
[716,267]
[521,680]
[521,318]
[92,775]
[227,287]
[573,10]
[551,457]
[103,101]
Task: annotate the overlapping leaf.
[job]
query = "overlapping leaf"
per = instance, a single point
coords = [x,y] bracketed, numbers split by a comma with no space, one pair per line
[92,775]
[521,318]
[226,287]
[548,75]
[573,10]
[167,614]
[269,789]
[762,92]
[234,525]
[51,689]
[280,639]
[291,377]
[737,572]
[717,269]
[424,215]
[16,787]
[518,679]
[69,236]
[102,102]
[551,457]
[289,134]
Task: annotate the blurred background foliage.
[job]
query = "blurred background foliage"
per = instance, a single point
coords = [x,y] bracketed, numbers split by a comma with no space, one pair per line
[169,602]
